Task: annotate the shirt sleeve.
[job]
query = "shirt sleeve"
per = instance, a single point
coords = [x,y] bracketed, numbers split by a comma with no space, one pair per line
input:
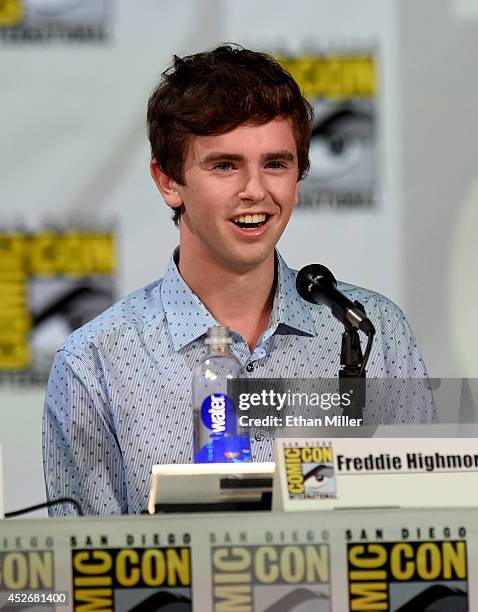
[81,455]
[418,405]
[420,400]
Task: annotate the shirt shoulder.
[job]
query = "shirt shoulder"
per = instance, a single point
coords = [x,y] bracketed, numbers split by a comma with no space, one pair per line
[138,309]
[387,317]
[380,309]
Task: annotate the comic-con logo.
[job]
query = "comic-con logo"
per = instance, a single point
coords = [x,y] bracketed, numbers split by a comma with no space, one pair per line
[310,472]
[343,150]
[31,570]
[408,576]
[272,578]
[127,579]
[39,20]
[11,12]
[56,282]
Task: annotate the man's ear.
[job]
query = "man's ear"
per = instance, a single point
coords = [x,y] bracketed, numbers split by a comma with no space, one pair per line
[166,185]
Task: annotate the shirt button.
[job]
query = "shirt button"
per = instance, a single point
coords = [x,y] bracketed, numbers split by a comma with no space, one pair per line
[250,367]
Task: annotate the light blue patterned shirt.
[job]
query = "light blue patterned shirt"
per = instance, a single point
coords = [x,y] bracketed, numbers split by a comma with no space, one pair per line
[118,397]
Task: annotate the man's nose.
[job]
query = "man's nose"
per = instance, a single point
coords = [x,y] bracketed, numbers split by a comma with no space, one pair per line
[253,188]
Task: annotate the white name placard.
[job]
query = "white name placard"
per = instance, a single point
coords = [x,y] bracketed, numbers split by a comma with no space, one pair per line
[195,483]
[313,474]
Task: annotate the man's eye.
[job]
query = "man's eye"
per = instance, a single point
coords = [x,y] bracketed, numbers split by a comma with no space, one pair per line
[223,166]
[276,165]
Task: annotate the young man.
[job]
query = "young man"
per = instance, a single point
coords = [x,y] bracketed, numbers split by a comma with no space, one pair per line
[229,132]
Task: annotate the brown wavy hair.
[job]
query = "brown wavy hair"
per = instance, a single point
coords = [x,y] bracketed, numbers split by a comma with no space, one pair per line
[214,92]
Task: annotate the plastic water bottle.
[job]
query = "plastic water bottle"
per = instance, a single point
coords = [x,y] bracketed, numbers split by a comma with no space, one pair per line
[218,438]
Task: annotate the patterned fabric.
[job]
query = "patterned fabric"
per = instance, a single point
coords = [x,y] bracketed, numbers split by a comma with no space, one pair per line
[118,398]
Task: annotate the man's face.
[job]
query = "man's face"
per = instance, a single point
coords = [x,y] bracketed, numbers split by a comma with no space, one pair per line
[240,189]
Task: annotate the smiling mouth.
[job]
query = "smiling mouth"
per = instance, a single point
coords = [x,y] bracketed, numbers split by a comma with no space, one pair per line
[251,221]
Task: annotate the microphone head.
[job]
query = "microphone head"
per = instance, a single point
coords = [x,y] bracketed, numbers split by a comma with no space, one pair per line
[314,276]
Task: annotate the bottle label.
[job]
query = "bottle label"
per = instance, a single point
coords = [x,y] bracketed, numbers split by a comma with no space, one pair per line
[219,415]
[224,445]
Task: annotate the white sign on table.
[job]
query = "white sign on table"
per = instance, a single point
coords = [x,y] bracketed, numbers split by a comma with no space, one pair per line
[314,474]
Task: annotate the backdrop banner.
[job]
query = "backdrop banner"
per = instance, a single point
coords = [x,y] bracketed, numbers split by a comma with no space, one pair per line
[342,87]
[52,281]
[39,21]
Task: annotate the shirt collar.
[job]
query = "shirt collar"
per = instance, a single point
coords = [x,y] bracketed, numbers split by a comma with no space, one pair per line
[188,318]
[289,309]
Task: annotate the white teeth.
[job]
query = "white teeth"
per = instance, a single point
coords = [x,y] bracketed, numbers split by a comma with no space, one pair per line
[256,218]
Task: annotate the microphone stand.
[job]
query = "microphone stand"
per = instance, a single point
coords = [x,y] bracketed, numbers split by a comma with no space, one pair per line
[316,284]
[352,374]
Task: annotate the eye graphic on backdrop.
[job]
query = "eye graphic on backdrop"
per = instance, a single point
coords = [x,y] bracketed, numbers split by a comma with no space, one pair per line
[437,598]
[342,143]
[301,600]
[163,601]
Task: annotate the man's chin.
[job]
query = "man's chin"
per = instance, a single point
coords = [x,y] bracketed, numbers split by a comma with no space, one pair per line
[248,261]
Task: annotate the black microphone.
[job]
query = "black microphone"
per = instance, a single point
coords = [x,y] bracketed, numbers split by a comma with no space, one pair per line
[316,283]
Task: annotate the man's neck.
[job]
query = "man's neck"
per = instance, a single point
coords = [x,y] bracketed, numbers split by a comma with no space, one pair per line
[241,301]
